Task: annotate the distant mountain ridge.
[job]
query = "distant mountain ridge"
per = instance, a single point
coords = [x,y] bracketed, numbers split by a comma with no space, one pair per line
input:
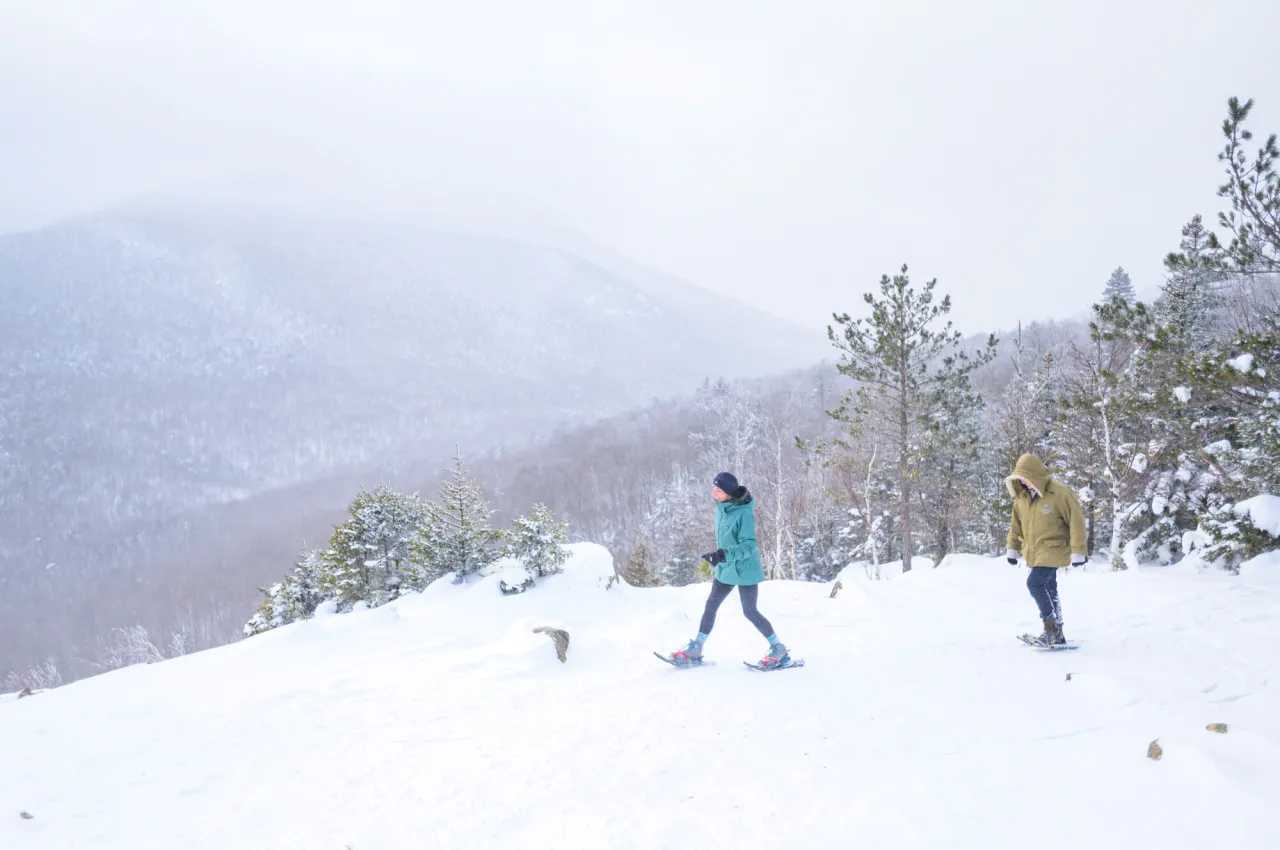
[163,356]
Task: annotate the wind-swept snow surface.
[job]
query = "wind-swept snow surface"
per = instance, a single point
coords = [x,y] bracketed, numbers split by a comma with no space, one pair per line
[443,721]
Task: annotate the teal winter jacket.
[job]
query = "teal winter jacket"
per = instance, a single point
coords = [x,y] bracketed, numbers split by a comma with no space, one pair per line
[736,535]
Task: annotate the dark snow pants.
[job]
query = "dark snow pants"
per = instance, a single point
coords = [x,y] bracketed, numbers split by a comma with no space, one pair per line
[749,593]
[1043,584]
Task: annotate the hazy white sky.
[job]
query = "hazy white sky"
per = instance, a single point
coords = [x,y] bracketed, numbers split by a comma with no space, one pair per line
[784,153]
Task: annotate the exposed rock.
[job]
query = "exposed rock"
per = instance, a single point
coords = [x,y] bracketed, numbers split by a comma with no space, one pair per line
[560,636]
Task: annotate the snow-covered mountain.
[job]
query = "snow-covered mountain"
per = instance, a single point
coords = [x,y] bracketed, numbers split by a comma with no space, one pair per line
[166,356]
[443,720]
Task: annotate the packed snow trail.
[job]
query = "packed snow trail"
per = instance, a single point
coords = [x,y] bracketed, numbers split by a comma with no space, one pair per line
[918,722]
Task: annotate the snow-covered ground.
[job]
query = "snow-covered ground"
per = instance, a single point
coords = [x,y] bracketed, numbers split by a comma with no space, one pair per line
[442,721]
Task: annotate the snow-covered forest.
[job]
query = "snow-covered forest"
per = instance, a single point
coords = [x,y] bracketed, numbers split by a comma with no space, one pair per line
[1164,416]
[189,388]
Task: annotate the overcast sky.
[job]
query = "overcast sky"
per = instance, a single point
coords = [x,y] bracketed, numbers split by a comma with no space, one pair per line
[784,153]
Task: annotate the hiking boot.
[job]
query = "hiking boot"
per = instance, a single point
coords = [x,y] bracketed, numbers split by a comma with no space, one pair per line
[1052,635]
[777,656]
[691,654]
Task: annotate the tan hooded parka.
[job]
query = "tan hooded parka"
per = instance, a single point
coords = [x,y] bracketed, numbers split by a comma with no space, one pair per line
[1048,524]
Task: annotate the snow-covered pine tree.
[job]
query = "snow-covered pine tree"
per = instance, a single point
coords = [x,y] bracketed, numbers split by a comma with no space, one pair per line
[537,542]
[1106,397]
[1119,286]
[1182,325]
[1229,394]
[371,555]
[1253,190]
[905,368]
[455,533]
[831,536]
[1235,389]
[639,568]
[1078,457]
[848,514]
[1189,295]
[1018,421]
[679,525]
[949,488]
[294,598]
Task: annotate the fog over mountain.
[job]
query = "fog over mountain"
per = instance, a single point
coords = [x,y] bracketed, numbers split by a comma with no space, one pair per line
[169,356]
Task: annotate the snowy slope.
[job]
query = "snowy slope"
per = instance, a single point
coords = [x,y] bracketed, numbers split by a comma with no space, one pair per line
[442,721]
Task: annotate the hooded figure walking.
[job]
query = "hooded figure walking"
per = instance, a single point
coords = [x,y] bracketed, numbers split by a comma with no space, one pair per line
[1048,529]
[737,564]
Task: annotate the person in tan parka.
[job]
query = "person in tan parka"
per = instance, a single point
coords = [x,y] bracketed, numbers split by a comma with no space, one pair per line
[1048,530]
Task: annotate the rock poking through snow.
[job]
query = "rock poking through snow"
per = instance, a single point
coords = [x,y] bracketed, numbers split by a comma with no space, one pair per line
[560,636]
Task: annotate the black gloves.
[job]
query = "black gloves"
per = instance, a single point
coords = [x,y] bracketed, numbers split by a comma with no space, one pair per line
[1011,556]
[714,558]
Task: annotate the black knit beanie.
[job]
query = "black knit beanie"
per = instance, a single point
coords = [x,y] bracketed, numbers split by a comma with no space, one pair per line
[728,483]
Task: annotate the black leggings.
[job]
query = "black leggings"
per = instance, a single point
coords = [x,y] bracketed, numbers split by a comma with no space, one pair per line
[748,593]
[1043,584]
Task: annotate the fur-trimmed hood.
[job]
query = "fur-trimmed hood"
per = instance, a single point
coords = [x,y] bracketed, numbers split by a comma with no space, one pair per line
[1031,469]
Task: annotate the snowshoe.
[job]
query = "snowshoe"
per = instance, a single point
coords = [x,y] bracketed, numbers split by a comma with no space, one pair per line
[690,656]
[791,662]
[701,662]
[777,659]
[1037,643]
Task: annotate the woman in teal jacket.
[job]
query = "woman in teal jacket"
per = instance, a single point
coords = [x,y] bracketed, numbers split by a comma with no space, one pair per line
[737,564]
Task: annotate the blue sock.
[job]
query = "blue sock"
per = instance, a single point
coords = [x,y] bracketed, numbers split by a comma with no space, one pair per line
[701,638]
[773,638]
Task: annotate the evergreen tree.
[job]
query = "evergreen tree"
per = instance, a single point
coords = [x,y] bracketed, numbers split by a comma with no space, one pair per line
[1109,431]
[906,368]
[371,556]
[1253,189]
[537,542]
[1229,539]
[294,598]
[639,570]
[681,568]
[1234,391]
[1187,297]
[1020,420]
[455,532]
[825,542]
[1119,286]
[1219,415]
[1077,438]
[677,526]
[949,488]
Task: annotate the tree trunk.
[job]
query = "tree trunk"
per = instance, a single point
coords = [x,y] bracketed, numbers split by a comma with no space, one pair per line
[906,517]
[1092,518]
[795,567]
[777,513]
[904,433]
[870,517]
[1113,484]
[1117,534]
